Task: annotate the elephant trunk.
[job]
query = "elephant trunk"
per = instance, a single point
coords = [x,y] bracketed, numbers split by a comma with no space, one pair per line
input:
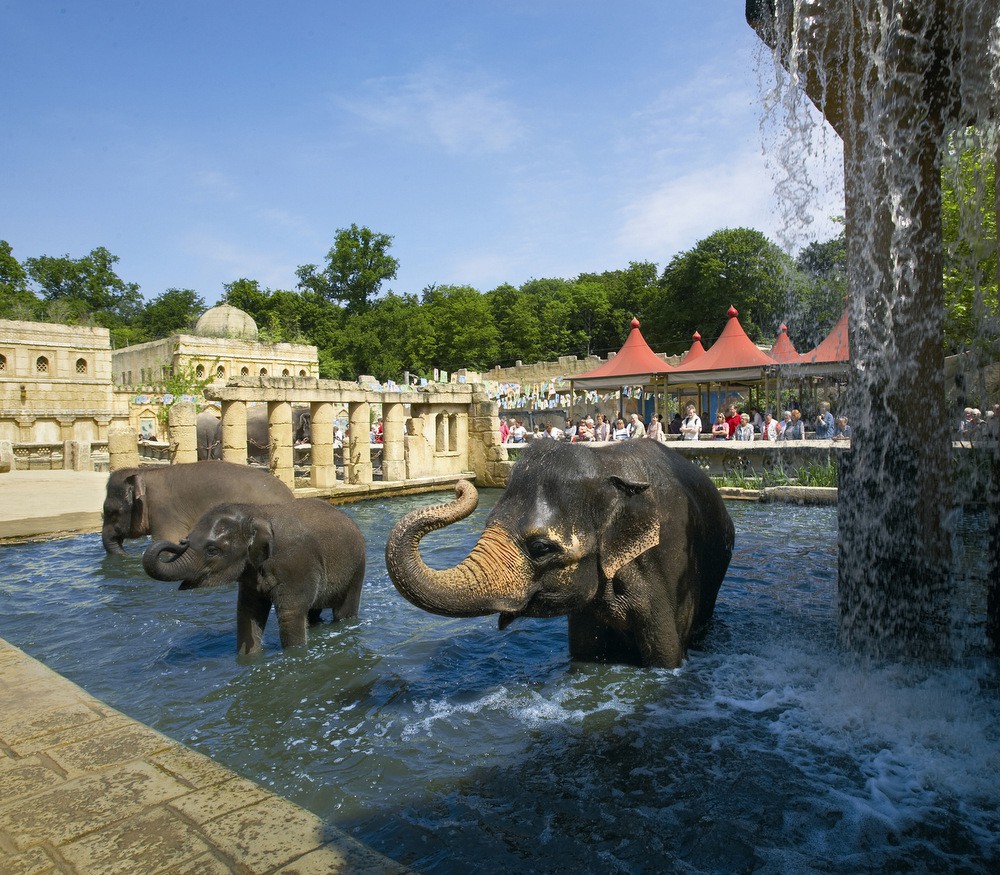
[182,566]
[112,545]
[494,577]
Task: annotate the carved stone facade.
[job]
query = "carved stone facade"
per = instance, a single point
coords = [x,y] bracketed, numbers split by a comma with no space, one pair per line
[55,383]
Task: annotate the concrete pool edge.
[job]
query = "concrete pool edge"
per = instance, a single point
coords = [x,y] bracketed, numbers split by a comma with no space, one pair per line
[87,787]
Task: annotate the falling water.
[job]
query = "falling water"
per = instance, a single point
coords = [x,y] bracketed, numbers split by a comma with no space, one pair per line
[910,87]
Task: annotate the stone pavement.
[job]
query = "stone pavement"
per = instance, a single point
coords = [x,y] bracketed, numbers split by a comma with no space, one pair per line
[36,503]
[87,790]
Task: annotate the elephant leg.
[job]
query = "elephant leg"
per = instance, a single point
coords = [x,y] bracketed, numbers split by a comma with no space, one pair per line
[292,626]
[349,605]
[252,610]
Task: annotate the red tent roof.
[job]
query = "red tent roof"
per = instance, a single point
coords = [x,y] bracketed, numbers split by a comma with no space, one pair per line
[835,348]
[634,364]
[783,351]
[696,350]
[732,351]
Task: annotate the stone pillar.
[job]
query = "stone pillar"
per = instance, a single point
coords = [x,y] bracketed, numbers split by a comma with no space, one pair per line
[323,473]
[66,427]
[418,451]
[279,425]
[182,421]
[393,443]
[76,456]
[7,461]
[123,448]
[358,460]
[234,432]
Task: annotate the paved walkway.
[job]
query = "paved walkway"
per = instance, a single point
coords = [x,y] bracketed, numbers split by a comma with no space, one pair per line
[87,790]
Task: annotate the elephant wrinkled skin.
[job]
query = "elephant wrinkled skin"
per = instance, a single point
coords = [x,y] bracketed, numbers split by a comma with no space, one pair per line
[630,540]
[167,501]
[300,557]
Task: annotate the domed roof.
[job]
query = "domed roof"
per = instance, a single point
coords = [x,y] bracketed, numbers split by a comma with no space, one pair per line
[226,321]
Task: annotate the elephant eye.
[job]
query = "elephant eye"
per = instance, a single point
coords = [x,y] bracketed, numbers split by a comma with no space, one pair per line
[540,548]
[211,551]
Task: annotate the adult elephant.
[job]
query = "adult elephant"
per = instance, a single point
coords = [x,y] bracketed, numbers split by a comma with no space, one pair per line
[259,437]
[299,558]
[209,429]
[166,501]
[630,540]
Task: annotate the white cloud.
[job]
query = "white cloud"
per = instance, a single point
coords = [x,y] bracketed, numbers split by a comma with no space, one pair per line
[460,113]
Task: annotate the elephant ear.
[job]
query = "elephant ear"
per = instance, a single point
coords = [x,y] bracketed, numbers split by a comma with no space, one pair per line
[260,540]
[135,487]
[632,528]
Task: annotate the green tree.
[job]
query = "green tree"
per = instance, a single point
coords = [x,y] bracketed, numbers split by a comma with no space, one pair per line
[88,290]
[632,292]
[173,311]
[463,328]
[969,228]
[393,336]
[817,300]
[17,301]
[519,331]
[356,266]
[736,267]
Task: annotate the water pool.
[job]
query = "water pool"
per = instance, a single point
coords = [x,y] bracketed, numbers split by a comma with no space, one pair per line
[450,746]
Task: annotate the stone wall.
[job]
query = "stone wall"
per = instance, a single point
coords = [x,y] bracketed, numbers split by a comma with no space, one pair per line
[55,383]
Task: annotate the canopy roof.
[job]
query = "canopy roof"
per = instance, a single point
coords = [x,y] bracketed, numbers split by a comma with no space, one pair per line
[635,365]
[783,351]
[732,357]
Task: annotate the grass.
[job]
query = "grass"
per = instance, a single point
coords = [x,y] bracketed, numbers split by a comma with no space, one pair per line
[814,474]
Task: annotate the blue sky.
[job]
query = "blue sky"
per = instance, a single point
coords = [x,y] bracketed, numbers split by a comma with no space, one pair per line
[495,140]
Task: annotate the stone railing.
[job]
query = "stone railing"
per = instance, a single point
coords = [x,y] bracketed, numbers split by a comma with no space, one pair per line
[447,431]
[70,455]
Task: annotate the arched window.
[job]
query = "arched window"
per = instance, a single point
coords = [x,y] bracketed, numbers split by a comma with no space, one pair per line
[199,371]
[81,366]
[220,373]
[244,371]
[42,365]
[285,372]
[263,372]
[3,363]
[302,373]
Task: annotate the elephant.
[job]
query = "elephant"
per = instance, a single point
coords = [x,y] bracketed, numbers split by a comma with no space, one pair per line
[209,429]
[166,501]
[300,557]
[630,540]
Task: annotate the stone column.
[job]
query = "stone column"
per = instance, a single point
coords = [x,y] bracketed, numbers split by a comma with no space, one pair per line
[393,446]
[358,460]
[234,432]
[123,448]
[279,425]
[76,456]
[323,473]
[182,421]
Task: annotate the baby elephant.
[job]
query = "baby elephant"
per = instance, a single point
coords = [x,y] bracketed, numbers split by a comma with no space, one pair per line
[301,557]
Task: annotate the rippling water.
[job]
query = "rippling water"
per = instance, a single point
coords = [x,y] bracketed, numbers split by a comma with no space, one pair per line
[451,746]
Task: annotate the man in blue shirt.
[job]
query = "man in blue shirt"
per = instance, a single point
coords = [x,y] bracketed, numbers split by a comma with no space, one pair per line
[824,422]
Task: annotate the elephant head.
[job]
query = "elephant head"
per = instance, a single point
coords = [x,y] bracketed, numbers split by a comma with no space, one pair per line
[555,540]
[221,546]
[126,510]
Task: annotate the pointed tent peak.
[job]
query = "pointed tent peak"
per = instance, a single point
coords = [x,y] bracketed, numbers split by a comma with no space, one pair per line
[783,351]
[732,351]
[733,312]
[695,351]
[635,364]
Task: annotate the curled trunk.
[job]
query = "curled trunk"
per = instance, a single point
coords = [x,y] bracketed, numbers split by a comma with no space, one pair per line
[494,577]
[180,562]
[112,544]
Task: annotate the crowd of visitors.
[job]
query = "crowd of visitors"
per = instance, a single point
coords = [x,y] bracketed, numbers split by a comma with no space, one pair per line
[730,424]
